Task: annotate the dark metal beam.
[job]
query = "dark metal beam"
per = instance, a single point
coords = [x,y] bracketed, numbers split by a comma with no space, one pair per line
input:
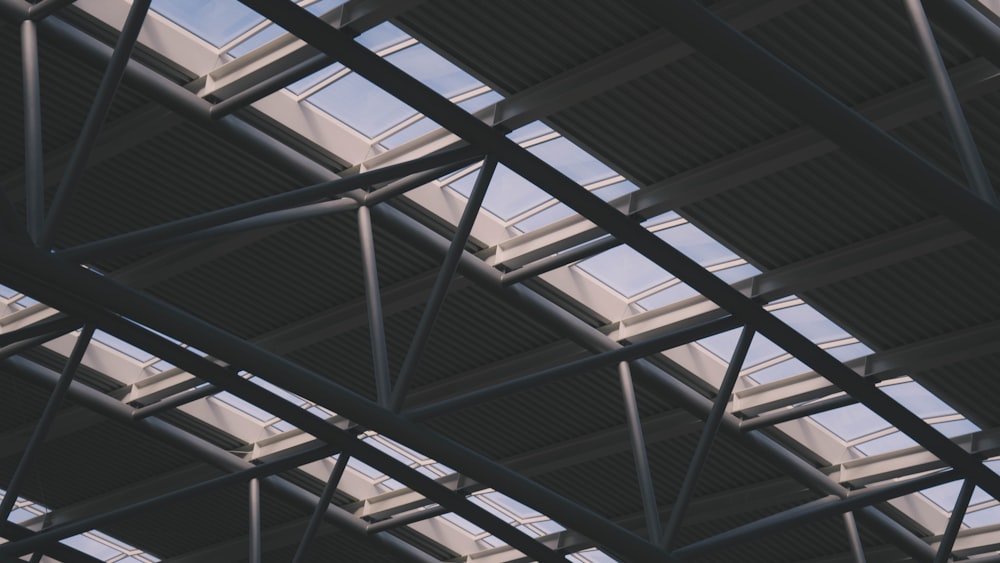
[34,185]
[854,538]
[708,433]
[549,263]
[324,500]
[631,352]
[44,422]
[174,401]
[56,533]
[256,553]
[58,324]
[813,511]
[95,119]
[138,239]
[405,519]
[647,492]
[439,291]
[373,298]
[201,449]
[967,25]
[958,127]
[955,522]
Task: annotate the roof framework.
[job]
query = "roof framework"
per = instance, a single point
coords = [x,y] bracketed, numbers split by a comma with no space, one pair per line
[296,335]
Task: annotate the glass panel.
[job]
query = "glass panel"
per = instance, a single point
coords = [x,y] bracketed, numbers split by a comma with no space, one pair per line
[698,246]
[945,495]
[509,195]
[668,296]
[572,161]
[361,105]
[985,517]
[433,70]
[274,31]
[779,370]
[811,323]
[381,36]
[625,270]
[122,346]
[559,211]
[243,406]
[723,345]
[851,422]
[915,397]
[530,131]
[215,21]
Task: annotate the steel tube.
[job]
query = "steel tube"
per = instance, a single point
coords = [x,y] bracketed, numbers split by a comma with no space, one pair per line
[201,449]
[967,25]
[646,489]
[269,86]
[576,367]
[403,520]
[324,501]
[253,492]
[813,511]
[373,298]
[44,8]
[34,170]
[955,522]
[95,119]
[951,108]
[441,284]
[41,430]
[708,432]
[784,415]
[57,324]
[854,538]
[174,401]
[549,263]
[56,533]
[302,196]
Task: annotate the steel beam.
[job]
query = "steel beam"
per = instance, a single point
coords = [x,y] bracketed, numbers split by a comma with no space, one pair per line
[125,242]
[324,500]
[968,25]
[54,325]
[34,185]
[54,534]
[440,289]
[376,320]
[951,109]
[45,8]
[812,512]
[854,538]
[955,522]
[626,353]
[704,447]
[647,492]
[201,449]
[45,422]
[256,551]
[95,119]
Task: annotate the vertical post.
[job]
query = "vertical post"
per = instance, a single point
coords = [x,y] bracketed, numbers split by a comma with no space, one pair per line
[95,119]
[321,505]
[34,180]
[45,421]
[707,437]
[972,163]
[955,522]
[441,283]
[376,322]
[638,442]
[854,538]
[255,542]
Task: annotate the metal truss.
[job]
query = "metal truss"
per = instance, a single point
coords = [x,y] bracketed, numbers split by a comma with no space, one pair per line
[56,278]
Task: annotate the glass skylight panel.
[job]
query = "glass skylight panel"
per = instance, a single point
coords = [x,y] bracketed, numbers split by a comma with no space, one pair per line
[216,21]
[918,399]
[274,31]
[508,195]
[361,105]
[668,296]
[780,370]
[723,345]
[530,131]
[122,346]
[381,37]
[897,440]
[553,213]
[944,495]
[243,406]
[696,245]
[811,323]
[433,70]
[7,293]
[984,517]
[572,161]
[851,422]
[625,270]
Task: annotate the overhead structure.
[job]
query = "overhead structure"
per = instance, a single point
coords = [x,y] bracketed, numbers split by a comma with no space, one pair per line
[535,281]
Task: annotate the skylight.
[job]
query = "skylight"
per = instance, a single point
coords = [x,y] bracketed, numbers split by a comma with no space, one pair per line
[218,22]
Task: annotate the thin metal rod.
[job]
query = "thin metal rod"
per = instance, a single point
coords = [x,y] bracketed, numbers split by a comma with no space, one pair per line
[36,557]
[404,185]
[958,128]
[441,284]
[34,170]
[46,7]
[270,85]
[854,538]
[813,511]
[56,324]
[302,196]
[784,415]
[41,430]
[955,522]
[373,298]
[708,433]
[145,506]
[324,501]
[576,367]
[646,489]
[95,119]
[256,553]
[174,401]
[410,518]
[553,262]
